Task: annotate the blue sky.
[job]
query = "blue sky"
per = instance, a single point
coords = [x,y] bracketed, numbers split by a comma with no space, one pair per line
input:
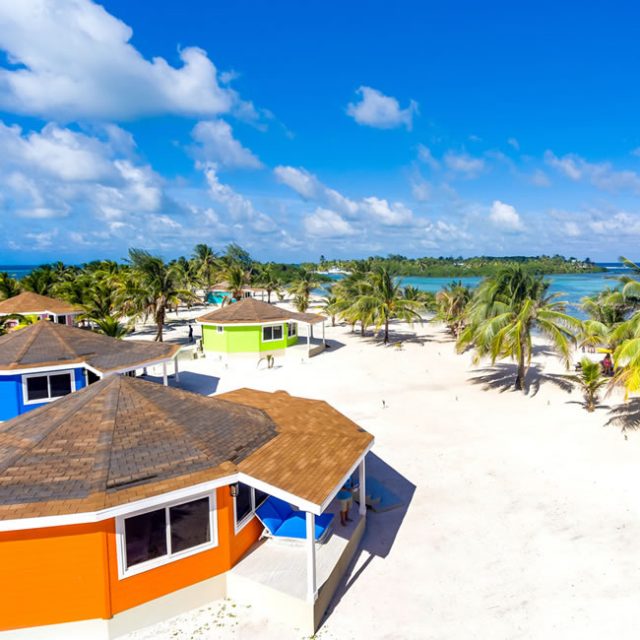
[299,129]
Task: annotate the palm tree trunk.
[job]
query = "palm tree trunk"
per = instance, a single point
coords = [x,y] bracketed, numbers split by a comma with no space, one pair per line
[159,324]
[362,328]
[386,330]
[269,296]
[522,368]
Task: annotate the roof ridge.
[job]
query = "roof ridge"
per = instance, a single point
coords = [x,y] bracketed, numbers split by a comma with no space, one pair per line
[37,330]
[56,332]
[79,405]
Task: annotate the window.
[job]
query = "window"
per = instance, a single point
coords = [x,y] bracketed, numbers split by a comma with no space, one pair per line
[219,329]
[292,329]
[270,334]
[47,386]
[158,536]
[246,503]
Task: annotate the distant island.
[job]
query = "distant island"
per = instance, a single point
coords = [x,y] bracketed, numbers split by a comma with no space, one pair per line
[461,267]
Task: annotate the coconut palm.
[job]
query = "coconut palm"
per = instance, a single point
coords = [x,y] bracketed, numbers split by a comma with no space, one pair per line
[506,309]
[206,263]
[152,289]
[111,326]
[382,300]
[451,303]
[237,278]
[590,380]
[267,278]
[301,288]
[9,286]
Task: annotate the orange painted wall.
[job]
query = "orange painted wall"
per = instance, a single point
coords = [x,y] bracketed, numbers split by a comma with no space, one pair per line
[53,575]
[137,589]
[62,574]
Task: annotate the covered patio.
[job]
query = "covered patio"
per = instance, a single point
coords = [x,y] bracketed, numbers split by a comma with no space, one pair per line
[296,580]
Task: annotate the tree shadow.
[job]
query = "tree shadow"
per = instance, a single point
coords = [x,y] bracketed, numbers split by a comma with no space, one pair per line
[502,377]
[382,528]
[626,416]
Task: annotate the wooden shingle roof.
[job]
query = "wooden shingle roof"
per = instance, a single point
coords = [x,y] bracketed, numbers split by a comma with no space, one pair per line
[29,303]
[123,439]
[50,344]
[252,311]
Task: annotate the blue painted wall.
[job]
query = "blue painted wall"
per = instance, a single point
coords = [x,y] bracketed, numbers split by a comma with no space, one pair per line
[11,400]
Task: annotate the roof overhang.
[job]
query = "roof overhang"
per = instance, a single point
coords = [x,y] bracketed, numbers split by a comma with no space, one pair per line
[88,517]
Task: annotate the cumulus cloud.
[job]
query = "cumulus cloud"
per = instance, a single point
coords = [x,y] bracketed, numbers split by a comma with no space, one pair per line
[420,188]
[392,215]
[572,229]
[463,163]
[307,186]
[382,112]
[540,179]
[505,216]
[425,155]
[601,175]
[72,60]
[325,223]
[239,207]
[216,144]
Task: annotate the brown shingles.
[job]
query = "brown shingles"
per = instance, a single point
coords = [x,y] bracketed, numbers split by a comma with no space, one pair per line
[252,311]
[50,344]
[124,439]
[28,303]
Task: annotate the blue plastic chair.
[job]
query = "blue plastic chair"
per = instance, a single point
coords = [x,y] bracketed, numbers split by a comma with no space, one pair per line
[280,520]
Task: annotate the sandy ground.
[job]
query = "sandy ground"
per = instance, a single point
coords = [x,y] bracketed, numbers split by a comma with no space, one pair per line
[521,512]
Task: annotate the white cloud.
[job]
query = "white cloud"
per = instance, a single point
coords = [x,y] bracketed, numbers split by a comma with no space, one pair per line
[601,175]
[505,216]
[380,111]
[514,143]
[239,207]
[420,188]
[540,179]
[394,215]
[572,229]
[463,163]
[325,223]
[425,155]
[75,61]
[218,145]
[307,186]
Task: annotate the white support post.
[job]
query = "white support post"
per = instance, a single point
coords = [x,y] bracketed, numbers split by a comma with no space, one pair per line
[312,593]
[324,342]
[176,372]
[165,379]
[362,480]
[308,339]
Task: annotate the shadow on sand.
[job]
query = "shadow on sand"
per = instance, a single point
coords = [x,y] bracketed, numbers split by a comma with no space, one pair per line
[190,381]
[502,377]
[382,528]
[626,416]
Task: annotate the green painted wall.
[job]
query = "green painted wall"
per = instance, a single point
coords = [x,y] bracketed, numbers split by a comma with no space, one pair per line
[242,340]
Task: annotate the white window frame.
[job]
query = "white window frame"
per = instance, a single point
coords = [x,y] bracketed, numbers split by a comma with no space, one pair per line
[126,572]
[272,327]
[47,374]
[294,326]
[239,526]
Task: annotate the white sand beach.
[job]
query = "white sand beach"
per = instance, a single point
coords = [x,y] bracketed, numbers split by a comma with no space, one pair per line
[521,512]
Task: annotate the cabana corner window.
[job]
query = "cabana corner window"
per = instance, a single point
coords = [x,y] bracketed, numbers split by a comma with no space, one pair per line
[246,503]
[158,536]
[292,329]
[47,386]
[271,334]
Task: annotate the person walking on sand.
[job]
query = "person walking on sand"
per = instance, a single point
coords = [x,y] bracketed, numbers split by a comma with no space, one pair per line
[345,495]
[190,333]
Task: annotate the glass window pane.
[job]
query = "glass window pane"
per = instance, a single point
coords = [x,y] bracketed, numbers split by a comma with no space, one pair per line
[189,524]
[37,388]
[261,496]
[277,332]
[267,333]
[60,385]
[145,537]
[243,502]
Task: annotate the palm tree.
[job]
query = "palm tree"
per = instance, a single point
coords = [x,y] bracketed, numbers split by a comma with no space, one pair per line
[41,280]
[153,289]
[505,310]
[206,263]
[237,278]
[302,287]
[111,326]
[9,286]
[452,302]
[13,317]
[383,301]
[590,380]
[268,279]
